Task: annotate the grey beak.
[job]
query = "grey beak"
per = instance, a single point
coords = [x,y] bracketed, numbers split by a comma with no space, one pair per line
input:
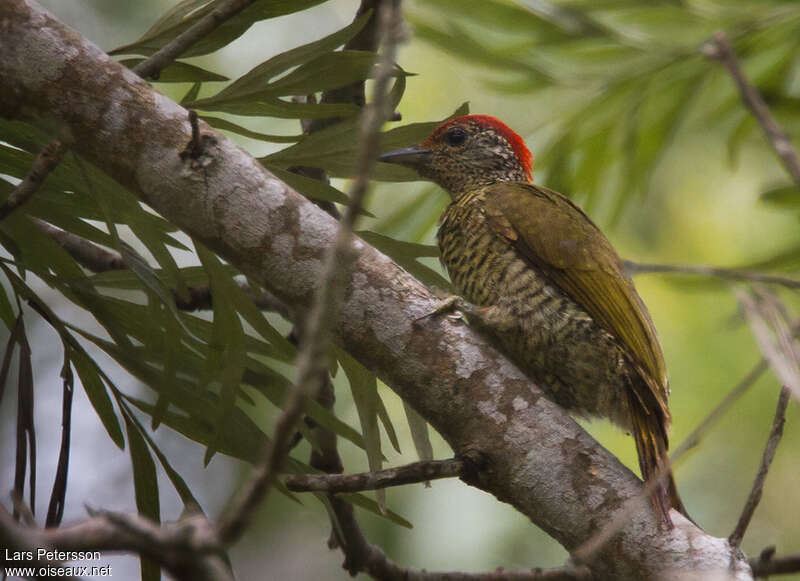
[410,156]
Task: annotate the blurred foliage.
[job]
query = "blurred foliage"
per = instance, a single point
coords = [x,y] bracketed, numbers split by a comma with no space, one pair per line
[632,73]
[623,78]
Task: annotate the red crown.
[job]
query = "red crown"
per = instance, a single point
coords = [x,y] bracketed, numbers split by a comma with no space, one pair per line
[516,142]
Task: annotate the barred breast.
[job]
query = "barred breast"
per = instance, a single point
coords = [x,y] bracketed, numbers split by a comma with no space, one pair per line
[531,320]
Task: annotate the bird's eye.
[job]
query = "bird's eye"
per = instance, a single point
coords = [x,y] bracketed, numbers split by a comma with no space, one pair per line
[455,136]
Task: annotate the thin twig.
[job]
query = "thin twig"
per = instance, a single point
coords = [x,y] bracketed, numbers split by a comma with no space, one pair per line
[754,498]
[408,474]
[312,358]
[98,259]
[720,49]
[186,548]
[45,162]
[767,566]
[181,43]
[85,252]
[635,268]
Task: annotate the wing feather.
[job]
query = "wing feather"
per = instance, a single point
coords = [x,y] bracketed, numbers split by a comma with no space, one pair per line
[561,241]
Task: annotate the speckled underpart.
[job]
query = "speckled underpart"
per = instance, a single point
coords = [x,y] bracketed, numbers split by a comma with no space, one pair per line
[547,286]
[580,364]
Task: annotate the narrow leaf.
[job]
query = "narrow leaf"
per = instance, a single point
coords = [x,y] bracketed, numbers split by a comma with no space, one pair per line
[364,388]
[179,72]
[145,484]
[98,396]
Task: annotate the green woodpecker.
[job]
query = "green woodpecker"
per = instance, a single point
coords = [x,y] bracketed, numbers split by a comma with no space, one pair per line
[547,286]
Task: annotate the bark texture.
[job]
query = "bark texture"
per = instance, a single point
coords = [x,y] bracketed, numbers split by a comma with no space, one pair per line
[535,456]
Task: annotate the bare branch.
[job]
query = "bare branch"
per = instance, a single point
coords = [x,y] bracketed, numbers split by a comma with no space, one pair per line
[168,53]
[766,565]
[408,474]
[720,49]
[45,162]
[98,259]
[186,548]
[635,268]
[312,358]
[85,252]
[362,556]
[754,497]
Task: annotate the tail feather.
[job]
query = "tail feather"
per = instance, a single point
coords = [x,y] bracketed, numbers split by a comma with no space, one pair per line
[652,444]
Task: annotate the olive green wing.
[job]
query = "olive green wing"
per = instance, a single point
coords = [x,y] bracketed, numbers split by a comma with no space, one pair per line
[560,240]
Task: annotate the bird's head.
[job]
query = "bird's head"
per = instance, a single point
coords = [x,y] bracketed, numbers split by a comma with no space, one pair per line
[466,153]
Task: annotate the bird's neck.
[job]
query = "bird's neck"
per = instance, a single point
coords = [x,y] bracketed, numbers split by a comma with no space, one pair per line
[459,186]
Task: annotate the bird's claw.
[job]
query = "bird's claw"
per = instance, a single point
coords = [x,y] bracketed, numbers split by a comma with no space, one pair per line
[450,304]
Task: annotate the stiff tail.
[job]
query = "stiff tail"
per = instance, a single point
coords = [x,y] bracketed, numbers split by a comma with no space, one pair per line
[652,444]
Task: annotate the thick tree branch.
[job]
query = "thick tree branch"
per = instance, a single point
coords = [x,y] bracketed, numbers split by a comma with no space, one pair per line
[537,458]
[720,49]
[754,497]
[408,474]
[52,153]
[312,360]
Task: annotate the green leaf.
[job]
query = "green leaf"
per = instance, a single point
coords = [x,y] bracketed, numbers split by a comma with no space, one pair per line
[20,134]
[257,78]
[191,94]
[311,188]
[406,254]
[227,341]
[153,284]
[783,197]
[145,483]
[188,12]
[6,310]
[274,107]
[98,395]
[388,427]
[328,71]
[179,72]
[225,289]
[367,503]
[125,279]
[415,220]
[188,499]
[419,433]
[364,388]
[225,125]
[238,440]
[736,139]
[459,41]
[275,392]
[335,149]
[38,251]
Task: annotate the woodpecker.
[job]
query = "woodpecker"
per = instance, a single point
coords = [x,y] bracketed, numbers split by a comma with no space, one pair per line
[542,280]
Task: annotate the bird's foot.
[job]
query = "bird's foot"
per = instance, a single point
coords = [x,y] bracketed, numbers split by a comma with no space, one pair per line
[454,304]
